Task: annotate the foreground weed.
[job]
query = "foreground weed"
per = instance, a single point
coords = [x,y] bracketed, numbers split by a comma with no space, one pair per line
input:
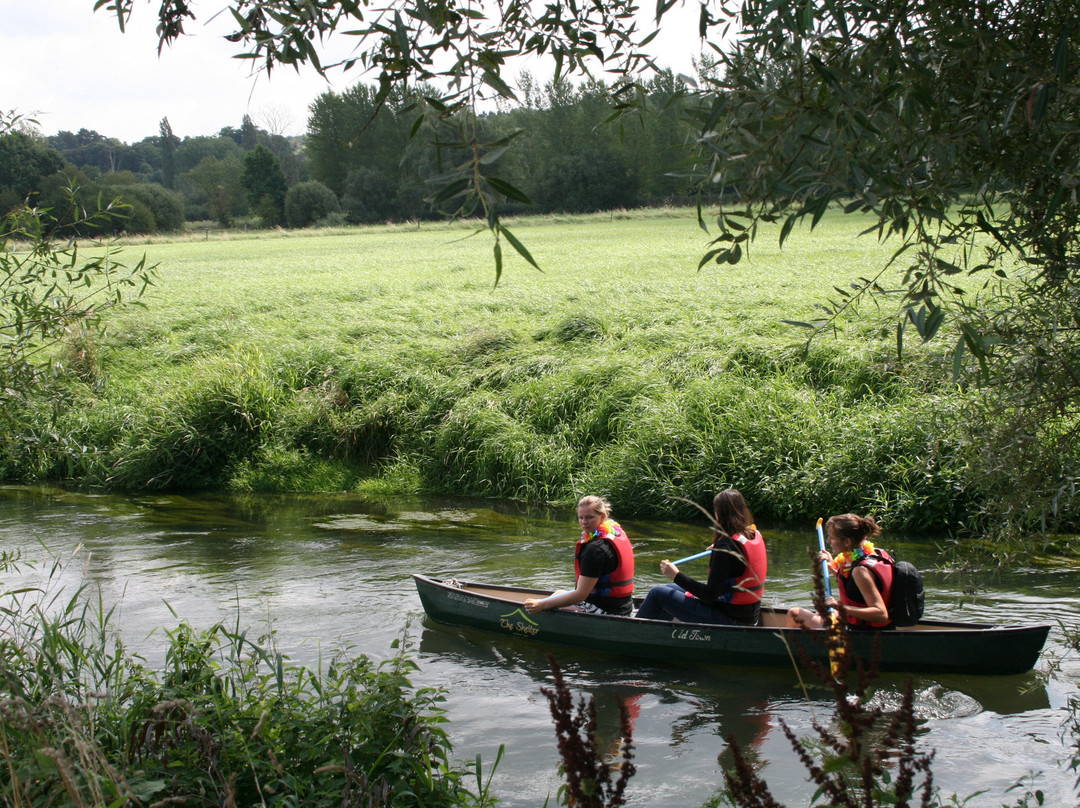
[228,721]
[589,773]
[865,757]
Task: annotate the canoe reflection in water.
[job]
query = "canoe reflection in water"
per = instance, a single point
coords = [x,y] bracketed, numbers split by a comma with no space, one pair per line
[931,646]
[669,715]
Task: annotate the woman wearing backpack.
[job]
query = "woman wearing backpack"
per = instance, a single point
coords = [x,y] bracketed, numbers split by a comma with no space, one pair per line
[864,575]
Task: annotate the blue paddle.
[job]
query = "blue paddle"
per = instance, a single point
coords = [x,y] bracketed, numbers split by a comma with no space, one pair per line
[694,557]
[824,563]
[704,553]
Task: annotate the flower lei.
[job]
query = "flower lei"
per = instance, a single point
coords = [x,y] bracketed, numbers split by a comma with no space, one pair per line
[843,562]
[605,530]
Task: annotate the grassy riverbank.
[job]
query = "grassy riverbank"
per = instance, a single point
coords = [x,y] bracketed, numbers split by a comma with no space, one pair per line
[384,359]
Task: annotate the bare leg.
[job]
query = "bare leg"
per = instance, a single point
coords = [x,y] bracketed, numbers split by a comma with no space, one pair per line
[803,617]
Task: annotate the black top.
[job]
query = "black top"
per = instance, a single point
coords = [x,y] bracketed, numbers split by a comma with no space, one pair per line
[599,558]
[727,563]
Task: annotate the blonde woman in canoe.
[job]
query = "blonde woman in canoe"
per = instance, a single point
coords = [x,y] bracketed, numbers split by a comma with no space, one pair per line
[603,565]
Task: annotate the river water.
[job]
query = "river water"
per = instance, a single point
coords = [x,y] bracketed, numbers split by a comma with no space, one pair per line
[327,571]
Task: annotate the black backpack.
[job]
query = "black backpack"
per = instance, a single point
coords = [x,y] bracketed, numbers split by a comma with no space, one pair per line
[908,598]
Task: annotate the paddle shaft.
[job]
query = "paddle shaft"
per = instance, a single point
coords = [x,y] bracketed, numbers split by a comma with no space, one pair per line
[824,563]
[694,557]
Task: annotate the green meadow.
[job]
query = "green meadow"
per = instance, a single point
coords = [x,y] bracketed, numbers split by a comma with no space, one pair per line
[386,359]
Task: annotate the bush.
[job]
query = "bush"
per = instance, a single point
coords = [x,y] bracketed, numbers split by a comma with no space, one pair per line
[166,206]
[308,203]
[138,218]
[227,719]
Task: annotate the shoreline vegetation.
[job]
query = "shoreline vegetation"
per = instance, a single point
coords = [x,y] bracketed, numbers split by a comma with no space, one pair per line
[228,719]
[387,360]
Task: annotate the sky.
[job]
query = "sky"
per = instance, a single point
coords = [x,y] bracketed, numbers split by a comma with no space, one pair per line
[70,68]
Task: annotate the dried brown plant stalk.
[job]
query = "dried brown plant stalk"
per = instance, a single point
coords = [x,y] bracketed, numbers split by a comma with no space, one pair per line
[590,782]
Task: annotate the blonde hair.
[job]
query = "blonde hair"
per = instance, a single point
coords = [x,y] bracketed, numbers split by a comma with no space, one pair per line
[597,505]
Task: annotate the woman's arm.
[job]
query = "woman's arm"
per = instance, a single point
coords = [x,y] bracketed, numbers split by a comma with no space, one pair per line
[585,586]
[726,563]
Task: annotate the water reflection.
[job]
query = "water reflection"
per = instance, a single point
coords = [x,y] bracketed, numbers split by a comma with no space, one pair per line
[328,571]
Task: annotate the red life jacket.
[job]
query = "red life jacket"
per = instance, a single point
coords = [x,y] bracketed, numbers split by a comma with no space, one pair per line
[880,564]
[620,583]
[750,586]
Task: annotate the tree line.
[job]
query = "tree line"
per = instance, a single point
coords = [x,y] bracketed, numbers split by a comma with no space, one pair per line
[364,159]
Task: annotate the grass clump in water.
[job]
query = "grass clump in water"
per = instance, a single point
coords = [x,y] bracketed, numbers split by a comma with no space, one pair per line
[227,721]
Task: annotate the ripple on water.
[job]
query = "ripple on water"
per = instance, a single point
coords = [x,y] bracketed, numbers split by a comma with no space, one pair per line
[934,701]
[360,524]
[1007,750]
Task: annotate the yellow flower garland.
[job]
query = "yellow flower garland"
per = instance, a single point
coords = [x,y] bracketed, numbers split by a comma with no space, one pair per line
[843,562]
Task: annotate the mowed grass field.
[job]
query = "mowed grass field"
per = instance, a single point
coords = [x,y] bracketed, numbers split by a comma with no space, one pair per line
[386,359]
[399,289]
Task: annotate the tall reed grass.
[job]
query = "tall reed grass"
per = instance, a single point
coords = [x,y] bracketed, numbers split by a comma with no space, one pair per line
[227,721]
[382,359]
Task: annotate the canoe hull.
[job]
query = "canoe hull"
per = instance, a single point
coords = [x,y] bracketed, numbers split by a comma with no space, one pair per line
[931,647]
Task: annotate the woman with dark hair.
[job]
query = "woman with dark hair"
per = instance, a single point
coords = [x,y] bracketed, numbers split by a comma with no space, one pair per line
[863,575]
[738,564]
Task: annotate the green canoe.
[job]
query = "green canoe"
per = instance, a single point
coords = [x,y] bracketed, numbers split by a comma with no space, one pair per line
[932,646]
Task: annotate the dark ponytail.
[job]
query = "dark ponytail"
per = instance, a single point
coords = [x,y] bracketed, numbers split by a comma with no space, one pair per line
[854,528]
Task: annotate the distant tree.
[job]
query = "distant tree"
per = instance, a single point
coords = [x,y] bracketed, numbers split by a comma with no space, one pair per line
[357,130]
[249,134]
[230,132]
[90,149]
[166,206]
[264,183]
[219,181]
[309,202]
[148,156]
[168,143]
[654,139]
[369,196]
[193,150]
[583,181]
[25,161]
[276,119]
[290,156]
[70,141]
